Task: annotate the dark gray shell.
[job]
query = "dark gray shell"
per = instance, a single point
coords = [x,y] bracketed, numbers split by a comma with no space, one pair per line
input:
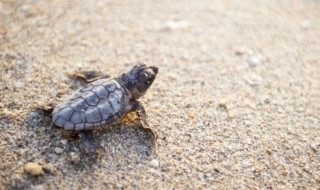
[95,105]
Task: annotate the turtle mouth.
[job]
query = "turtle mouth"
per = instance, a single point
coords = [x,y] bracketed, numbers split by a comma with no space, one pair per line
[154,69]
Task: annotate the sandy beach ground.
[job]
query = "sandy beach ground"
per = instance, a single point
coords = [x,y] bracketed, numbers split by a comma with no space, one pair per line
[235,105]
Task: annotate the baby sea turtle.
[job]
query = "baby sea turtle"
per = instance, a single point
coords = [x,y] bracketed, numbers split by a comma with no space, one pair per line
[104,102]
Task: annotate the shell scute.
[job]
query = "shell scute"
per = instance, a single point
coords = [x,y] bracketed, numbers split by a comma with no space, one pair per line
[66,113]
[92,100]
[115,102]
[69,125]
[93,115]
[79,104]
[78,117]
[105,109]
[79,126]
[100,91]
[100,82]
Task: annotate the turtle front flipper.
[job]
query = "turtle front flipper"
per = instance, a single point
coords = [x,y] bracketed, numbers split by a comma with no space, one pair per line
[139,109]
[88,144]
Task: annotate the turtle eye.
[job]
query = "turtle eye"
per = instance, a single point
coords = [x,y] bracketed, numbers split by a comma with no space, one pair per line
[147,78]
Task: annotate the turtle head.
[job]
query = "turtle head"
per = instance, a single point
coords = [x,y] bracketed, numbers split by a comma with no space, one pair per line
[140,78]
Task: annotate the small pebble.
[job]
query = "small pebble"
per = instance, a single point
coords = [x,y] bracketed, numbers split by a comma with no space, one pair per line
[154,171]
[255,61]
[33,169]
[58,150]
[33,115]
[231,114]
[151,170]
[222,102]
[64,141]
[248,141]
[246,164]
[25,8]
[239,51]
[305,25]
[174,25]
[269,151]
[247,123]
[154,163]
[314,147]
[37,187]
[18,84]
[74,158]
[253,79]
[191,115]
[285,173]
[258,170]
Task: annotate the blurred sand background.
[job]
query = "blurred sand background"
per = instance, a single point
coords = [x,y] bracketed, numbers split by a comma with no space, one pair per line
[236,103]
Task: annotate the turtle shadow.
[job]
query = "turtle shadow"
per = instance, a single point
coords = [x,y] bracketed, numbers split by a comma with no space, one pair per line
[122,145]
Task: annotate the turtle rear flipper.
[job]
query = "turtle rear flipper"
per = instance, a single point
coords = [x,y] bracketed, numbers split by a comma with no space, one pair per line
[47,109]
[88,144]
[88,76]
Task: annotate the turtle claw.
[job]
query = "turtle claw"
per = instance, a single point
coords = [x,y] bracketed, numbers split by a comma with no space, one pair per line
[141,112]
[149,129]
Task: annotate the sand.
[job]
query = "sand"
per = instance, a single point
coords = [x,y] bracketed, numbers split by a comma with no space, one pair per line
[235,105]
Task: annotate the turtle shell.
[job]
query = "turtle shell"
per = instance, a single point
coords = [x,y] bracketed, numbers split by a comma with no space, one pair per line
[95,105]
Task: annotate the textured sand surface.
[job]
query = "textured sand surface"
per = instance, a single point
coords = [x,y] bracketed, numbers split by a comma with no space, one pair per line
[236,103]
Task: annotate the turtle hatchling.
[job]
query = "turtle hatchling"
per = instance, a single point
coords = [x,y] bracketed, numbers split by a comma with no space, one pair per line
[104,102]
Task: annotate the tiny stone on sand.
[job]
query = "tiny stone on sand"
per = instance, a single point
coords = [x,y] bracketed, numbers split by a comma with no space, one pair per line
[63,141]
[174,25]
[255,61]
[239,51]
[33,115]
[37,187]
[154,163]
[246,164]
[33,169]
[222,102]
[253,79]
[74,157]
[154,171]
[18,84]
[305,25]
[58,150]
